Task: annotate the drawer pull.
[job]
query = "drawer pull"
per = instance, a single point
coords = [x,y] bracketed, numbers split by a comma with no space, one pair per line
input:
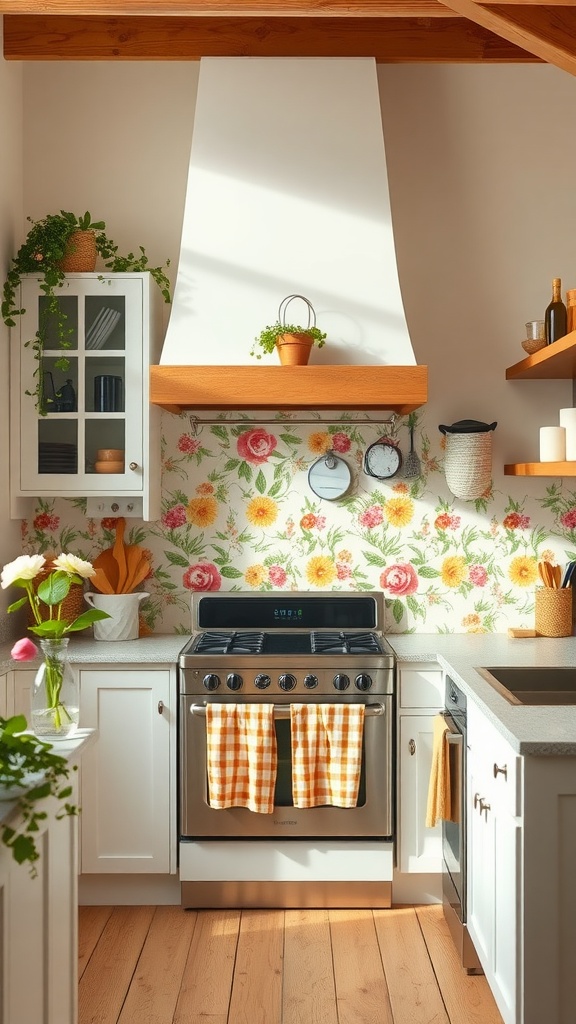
[477,800]
[412,747]
[501,771]
[160,706]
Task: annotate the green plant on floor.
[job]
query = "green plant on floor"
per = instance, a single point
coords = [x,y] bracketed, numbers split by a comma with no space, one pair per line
[29,773]
[50,241]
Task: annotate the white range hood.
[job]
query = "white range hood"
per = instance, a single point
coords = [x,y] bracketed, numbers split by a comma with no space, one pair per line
[287,193]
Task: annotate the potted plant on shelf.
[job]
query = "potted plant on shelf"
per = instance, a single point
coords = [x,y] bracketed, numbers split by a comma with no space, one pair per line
[29,772]
[58,244]
[293,343]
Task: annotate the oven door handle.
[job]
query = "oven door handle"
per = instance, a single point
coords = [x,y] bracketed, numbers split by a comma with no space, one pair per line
[283,710]
[454,736]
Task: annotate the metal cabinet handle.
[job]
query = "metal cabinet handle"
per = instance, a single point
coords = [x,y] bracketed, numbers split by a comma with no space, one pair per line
[501,771]
[477,800]
[133,465]
[160,706]
[484,808]
[412,747]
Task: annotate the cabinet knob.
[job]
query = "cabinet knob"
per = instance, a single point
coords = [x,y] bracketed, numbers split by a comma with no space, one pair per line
[133,465]
[412,747]
[501,771]
[160,706]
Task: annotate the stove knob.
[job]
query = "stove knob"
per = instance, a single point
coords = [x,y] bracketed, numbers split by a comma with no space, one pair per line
[211,682]
[341,681]
[234,681]
[262,682]
[287,681]
[363,681]
[310,682]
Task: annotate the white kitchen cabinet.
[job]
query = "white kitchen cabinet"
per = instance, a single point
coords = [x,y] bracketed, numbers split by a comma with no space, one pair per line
[128,787]
[420,697]
[4,695]
[495,861]
[19,691]
[99,402]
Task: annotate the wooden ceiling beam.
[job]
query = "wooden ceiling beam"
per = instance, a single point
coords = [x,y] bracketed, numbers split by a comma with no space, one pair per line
[348,9]
[547,32]
[393,40]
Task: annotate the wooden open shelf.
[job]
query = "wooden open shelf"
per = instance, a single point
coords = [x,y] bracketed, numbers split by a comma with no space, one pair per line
[400,389]
[541,469]
[554,362]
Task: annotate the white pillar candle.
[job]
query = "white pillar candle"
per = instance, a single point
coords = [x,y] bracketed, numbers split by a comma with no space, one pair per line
[552,444]
[568,421]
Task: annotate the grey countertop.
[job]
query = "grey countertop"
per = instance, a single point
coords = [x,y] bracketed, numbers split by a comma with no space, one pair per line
[529,730]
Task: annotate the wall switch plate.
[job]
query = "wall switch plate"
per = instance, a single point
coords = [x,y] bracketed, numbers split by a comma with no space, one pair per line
[102,508]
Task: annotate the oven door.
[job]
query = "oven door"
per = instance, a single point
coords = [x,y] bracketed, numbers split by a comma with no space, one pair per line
[371,817]
[454,832]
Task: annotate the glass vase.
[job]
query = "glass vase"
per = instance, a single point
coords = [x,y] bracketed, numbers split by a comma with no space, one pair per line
[56,693]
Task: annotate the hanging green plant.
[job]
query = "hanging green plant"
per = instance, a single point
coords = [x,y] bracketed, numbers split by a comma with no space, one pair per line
[54,246]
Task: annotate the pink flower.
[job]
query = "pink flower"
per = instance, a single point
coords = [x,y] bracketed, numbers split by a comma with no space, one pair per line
[320,523]
[515,521]
[340,442]
[175,516]
[44,521]
[477,574]
[371,516]
[24,650]
[187,444]
[400,579]
[256,445]
[569,519]
[202,576]
[277,575]
[343,571]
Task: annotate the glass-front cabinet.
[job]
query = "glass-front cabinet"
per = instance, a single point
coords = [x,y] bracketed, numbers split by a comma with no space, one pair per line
[82,424]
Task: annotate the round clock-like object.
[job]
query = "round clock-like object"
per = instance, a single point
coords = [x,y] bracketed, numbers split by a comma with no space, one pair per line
[383,459]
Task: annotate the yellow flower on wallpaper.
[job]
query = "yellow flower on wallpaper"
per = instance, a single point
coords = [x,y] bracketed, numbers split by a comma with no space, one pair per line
[320,442]
[453,571]
[320,571]
[399,511]
[202,511]
[262,511]
[523,570]
[255,575]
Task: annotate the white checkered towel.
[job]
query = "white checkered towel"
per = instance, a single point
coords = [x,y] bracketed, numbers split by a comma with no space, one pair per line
[242,756]
[326,753]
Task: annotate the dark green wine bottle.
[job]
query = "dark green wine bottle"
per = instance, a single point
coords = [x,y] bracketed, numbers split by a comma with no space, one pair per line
[555,317]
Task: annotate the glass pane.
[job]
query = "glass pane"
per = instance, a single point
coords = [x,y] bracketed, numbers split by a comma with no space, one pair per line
[57,446]
[105,384]
[58,320]
[283,790]
[108,435]
[59,384]
[105,322]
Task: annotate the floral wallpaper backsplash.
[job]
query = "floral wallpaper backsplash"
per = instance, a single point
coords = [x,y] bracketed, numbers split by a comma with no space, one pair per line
[238,514]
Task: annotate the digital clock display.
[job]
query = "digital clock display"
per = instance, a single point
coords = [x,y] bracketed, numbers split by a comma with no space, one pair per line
[287,615]
[316,612]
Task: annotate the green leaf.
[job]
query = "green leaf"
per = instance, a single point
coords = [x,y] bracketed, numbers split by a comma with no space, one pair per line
[230,573]
[245,472]
[260,482]
[176,559]
[428,572]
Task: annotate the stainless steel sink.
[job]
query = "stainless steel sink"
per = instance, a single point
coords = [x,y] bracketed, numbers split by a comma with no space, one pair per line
[528,685]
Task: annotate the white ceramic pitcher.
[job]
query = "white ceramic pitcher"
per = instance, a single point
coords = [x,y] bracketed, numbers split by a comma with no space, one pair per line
[123,612]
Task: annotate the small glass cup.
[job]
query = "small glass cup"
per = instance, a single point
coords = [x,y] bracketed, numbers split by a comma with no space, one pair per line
[535,330]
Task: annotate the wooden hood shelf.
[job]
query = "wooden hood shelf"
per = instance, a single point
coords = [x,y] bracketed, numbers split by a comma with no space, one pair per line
[400,389]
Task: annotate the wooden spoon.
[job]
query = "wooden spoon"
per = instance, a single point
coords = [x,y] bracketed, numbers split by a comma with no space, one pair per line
[138,567]
[119,552]
[101,582]
[109,566]
[544,573]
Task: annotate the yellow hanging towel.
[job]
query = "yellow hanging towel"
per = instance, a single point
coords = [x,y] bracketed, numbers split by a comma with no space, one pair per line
[439,806]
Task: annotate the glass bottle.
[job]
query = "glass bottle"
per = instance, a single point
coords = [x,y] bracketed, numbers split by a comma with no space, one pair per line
[55,702]
[555,317]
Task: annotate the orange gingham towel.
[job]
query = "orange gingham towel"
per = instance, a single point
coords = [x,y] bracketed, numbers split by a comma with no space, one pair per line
[242,757]
[326,753]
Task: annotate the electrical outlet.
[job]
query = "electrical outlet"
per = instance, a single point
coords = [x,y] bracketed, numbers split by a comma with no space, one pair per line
[101,508]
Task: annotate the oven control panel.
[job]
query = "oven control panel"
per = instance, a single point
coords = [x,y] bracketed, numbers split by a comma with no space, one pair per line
[222,681]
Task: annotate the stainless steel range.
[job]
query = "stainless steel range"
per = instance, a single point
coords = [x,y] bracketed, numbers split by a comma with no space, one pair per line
[300,648]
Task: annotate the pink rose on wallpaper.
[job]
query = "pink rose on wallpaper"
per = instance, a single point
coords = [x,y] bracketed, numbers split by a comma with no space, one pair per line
[340,442]
[477,574]
[175,516]
[371,516]
[44,521]
[202,576]
[277,575]
[400,579]
[256,445]
[569,519]
[188,445]
[343,571]
[24,650]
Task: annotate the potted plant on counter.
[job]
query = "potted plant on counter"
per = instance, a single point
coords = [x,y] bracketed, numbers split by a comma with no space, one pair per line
[293,342]
[55,245]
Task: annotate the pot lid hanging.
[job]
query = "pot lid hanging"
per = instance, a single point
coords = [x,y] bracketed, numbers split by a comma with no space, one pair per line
[467,427]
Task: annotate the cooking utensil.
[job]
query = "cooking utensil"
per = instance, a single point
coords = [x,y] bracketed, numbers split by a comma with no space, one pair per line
[569,574]
[412,464]
[119,551]
[545,574]
[329,477]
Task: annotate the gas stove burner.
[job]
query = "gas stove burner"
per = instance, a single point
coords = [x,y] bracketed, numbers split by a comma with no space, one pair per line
[344,643]
[230,643]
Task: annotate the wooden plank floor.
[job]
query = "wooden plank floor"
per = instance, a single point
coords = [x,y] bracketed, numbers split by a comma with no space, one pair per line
[163,965]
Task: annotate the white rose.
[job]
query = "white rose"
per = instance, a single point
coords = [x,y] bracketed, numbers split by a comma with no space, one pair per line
[76,566]
[26,567]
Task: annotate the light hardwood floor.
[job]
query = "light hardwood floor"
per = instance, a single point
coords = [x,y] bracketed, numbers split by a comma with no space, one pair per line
[163,965]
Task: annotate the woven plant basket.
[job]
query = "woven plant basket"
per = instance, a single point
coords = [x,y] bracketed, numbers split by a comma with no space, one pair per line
[553,611]
[72,606]
[468,464]
[80,254]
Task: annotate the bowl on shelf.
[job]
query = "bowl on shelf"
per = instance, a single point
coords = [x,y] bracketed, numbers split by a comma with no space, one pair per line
[532,345]
[110,455]
[109,467]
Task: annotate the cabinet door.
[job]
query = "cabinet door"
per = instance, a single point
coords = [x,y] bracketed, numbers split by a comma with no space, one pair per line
[4,695]
[20,685]
[420,847]
[420,686]
[127,788]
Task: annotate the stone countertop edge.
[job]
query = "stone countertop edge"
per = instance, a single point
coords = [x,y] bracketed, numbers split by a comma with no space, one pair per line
[544,731]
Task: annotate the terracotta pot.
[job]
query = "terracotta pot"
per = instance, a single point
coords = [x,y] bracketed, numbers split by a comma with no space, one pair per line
[294,349]
[80,254]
